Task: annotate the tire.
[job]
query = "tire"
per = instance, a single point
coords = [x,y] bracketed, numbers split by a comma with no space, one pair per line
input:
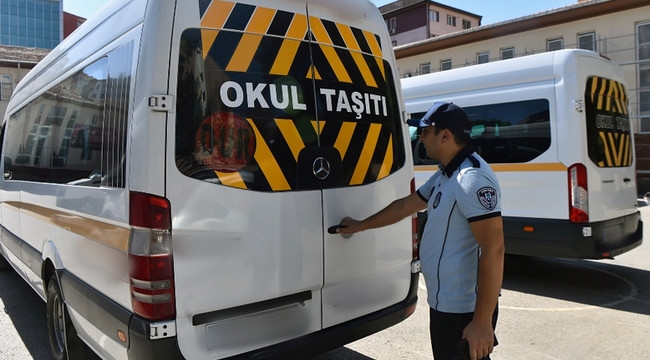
[4,264]
[64,341]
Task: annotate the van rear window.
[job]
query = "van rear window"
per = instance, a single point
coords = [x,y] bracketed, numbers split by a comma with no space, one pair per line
[609,135]
[254,113]
[510,132]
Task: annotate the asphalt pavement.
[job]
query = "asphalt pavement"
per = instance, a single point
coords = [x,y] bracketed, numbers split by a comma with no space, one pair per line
[550,309]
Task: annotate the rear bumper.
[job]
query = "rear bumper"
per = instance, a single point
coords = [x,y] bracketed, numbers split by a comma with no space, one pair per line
[339,335]
[561,238]
[306,346]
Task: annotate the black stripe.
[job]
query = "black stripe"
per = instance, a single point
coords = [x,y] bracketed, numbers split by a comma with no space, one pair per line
[203,6]
[484,216]
[240,17]
[361,40]
[334,33]
[221,52]
[280,23]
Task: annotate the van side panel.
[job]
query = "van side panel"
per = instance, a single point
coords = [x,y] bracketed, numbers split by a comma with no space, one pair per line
[589,126]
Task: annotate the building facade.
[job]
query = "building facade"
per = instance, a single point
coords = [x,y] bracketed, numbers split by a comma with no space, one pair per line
[413,20]
[617,29]
[31,23]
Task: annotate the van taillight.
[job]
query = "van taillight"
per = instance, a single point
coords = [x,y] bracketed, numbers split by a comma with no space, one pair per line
[578,194]
[414,229]
[150,257]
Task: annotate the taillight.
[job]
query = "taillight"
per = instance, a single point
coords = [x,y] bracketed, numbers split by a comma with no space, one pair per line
[150,257]
[414,230]
[578,194]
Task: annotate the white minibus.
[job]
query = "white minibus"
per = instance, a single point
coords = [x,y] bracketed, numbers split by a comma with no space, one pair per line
[556,129]
[172,169]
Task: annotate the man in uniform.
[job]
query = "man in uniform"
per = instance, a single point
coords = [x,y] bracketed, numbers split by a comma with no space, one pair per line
[462,247]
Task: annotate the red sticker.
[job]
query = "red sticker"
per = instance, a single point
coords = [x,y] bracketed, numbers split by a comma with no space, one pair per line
[225,142]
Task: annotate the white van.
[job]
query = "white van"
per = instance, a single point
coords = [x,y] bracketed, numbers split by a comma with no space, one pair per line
[172,168]
[556,129]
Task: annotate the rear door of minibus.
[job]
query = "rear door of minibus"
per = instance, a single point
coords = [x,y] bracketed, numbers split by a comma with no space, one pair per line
[265,139]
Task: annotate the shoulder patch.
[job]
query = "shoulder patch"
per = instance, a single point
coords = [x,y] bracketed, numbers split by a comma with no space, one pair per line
[488,197]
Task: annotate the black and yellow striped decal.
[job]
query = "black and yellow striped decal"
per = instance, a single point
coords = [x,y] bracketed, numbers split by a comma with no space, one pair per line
[608,123]
[306,86]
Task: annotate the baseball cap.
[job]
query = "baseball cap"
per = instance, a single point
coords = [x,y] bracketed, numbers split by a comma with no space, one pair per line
[444,115]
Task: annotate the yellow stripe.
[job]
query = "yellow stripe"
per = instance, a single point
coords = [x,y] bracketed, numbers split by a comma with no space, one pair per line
[232,179]
[374,45]
[320,34]
[244,53]
[366,155]
[344,137]
[387,164]
[336,64]
[318,126]
[610,93]
[113,236]
[215,18]
[298,27]
[290,46]
[261,20]
[380,64]
[364,69]
[348,37]
[291,136]
[528,167]
[267,163]
[285,57]
[608,158]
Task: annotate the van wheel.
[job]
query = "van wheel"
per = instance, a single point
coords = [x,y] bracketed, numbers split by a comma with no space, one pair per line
[4,264]
[63,337]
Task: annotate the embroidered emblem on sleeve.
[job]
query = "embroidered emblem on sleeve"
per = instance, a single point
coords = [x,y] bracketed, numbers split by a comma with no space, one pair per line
[488,197]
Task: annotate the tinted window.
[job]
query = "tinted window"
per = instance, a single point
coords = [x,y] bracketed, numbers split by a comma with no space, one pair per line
[258,119]
[609,135]
[505,133]
[75,132]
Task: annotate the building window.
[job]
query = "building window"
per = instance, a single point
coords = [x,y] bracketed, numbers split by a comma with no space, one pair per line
[5,87]
[451,20]
[482,58]
[555,44]
[425,68]
[434,15]
[587,41]
[507,53]
[467,24]
[445,65]
[643,49]
[392,25]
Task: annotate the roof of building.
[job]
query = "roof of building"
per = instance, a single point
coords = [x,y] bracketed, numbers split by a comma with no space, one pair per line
[571,13]
[13,55]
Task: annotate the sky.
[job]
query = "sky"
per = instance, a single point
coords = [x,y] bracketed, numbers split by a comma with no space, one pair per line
[493,11]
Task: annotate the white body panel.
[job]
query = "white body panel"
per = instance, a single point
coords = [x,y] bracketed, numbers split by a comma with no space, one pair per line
[239,252]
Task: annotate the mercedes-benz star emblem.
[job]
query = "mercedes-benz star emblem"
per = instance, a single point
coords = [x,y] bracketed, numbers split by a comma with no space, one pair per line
[321,168]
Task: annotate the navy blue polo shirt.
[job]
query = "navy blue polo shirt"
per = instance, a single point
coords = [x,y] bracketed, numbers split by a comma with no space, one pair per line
[465,190]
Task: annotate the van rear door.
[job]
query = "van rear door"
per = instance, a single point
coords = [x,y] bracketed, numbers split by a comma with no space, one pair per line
[610,145]
[264,140]
[361,138]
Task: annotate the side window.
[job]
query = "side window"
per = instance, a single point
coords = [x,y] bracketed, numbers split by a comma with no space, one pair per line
[58,137]
[511,132]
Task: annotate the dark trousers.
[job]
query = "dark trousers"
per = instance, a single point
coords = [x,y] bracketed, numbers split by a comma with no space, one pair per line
[446,332]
